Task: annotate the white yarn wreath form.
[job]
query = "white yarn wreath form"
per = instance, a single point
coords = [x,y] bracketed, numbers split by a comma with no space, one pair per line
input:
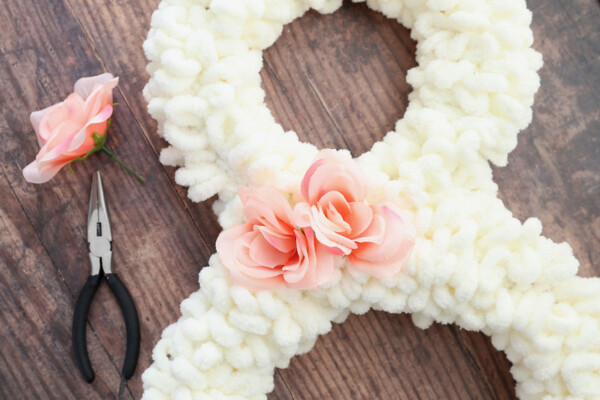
[473,264]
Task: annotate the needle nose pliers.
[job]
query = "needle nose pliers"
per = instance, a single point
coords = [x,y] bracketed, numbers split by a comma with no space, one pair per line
[100,243]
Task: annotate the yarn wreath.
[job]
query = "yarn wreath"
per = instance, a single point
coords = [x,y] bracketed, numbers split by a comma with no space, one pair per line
[473,263]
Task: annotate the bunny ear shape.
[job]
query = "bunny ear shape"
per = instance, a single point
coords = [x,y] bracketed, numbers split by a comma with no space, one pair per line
[473,264]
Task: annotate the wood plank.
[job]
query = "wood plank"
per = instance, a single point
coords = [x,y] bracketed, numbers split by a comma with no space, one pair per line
[384,356]
[157,249]
[281,390]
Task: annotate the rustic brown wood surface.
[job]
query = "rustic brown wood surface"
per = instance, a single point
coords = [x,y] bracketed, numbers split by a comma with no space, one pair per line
[337,80]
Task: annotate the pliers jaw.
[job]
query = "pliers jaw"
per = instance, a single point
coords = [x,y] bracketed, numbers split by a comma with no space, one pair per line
[98,229]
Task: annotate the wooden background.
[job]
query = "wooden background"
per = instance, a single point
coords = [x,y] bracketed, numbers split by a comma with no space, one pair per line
[339,81]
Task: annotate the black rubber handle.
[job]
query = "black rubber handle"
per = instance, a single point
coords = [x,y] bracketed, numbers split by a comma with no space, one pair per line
[132,323]
[79,323]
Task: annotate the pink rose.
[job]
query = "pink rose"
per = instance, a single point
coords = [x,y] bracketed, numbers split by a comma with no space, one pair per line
[64,130]
[376,238]
[270,250]
[335,188]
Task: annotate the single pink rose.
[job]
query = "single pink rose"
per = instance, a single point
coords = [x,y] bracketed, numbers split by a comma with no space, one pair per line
[335,188]
[375,237]
[385,246]
[64,130]
[269,250]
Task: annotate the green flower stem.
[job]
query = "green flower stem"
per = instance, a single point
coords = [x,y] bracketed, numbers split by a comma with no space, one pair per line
[114,157]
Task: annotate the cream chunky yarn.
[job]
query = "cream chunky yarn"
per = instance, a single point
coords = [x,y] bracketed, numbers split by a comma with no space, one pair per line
[473,264]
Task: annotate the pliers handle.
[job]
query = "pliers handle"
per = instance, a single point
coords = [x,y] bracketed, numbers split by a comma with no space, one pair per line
[132,324]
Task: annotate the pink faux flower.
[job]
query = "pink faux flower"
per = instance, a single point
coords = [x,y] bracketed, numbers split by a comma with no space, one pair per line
[64,130]
[335,190]
[375,237]
[269,250]
[278,246]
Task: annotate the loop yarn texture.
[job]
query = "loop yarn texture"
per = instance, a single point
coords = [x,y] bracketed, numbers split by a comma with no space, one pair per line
[473,263]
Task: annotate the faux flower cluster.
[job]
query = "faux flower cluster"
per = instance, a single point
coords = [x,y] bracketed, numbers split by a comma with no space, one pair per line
[296,247]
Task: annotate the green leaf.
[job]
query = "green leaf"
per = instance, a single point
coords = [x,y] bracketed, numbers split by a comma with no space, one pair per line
[99,141]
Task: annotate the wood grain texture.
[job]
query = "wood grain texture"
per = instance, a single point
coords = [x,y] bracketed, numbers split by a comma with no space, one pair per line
[116,30]
[554,173]
[338,81]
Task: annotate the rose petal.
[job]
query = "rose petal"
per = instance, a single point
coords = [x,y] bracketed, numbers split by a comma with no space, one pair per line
[301,217]
[375,232]
[266,206]
[384,270]
[336,209]
[258,272]
[328,237]
[34,174]
[325,262]
[330,220]
[226,242]
[85,86]
[241,250]
[361,217]
[36,118]
[100,97]
[283,242]
[387,257]
[263,253]
[52,120]
[304,186]
[314,266]
[334,171]
[76,109]
[346,182]
[59,140]
[256,284]
[84,136]
[231,245]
